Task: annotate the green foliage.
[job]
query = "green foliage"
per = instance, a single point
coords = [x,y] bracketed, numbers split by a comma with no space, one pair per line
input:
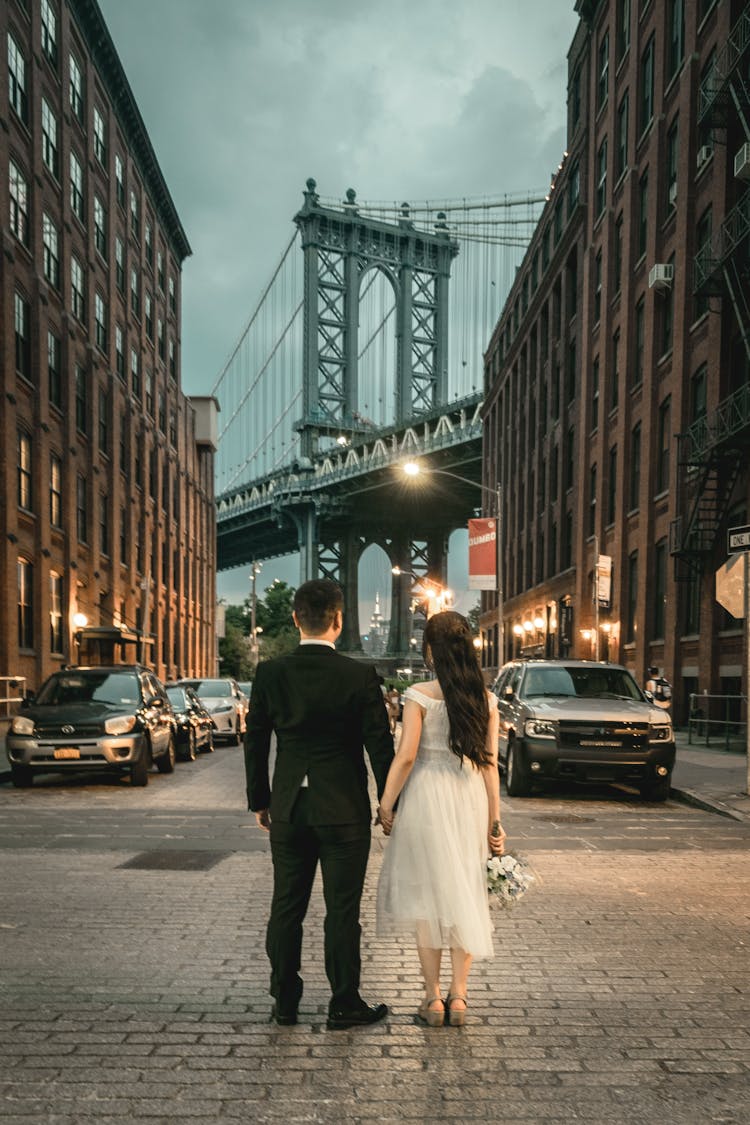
[273,613]
[238,616]
[278,644]
[234,653]
[473,618]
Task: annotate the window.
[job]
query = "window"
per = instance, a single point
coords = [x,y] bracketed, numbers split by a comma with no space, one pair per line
[631,627]
[172,359]
[104,529]
[670,180]
[602,88]
[601,180]
[614,396]
[50,154]
[592,500]
[19,203]
[574,190]
[124,536]
[100,138]
[558,229]
[100,227]
[621,156]
[24,477]
[160,345]
[173,439]
[77,289]
[660,589]
[571,373]
[545,260]
[707,81]
[675,36]
[640,342]
[123,442]
[25,572]
[618,254]
[635,467]
[575,99]
[54,372]
[51,258]
[55,612]
[149,386]
[160,269]
[612,486]
[135,215]
[55,490]
[570,462]
[642,213]
[119,352]
[598,287]
[703,258]
[103,420]
[148,242]
[119,264]
[623,28]
[81,396]
[22,325]
[100,321]
[77,201]
[135,292]
[698,391]
[148,312]
[153,474]
[119,180]
[595,380]
[662,452]
[172,295]
[17,92]
[76,88]
[162,414]
[49,33]
[667,316]
[646,108]
[82,511]
[135,373]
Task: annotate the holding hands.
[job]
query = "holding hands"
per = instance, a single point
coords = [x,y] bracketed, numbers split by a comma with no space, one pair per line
[496,838]
[384,818]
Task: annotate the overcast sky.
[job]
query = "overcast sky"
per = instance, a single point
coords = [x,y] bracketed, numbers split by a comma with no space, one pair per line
[244,99]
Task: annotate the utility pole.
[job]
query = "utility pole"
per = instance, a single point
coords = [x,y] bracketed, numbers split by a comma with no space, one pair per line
[254,572]
[500,596]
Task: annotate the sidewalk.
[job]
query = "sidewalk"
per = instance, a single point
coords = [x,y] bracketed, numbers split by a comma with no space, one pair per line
[713,779]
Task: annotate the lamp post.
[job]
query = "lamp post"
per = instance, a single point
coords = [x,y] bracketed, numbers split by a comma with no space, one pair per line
[254,572]
[413,469]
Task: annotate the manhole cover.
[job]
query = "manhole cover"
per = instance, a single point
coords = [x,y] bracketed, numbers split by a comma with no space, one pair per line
[174,860]
[569,818]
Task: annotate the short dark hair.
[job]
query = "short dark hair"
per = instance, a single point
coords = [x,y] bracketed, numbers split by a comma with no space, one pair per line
[316,603]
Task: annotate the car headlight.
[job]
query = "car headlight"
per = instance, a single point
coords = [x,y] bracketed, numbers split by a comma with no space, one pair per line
[123,724]
[539,728]
[22,725]
[660,732]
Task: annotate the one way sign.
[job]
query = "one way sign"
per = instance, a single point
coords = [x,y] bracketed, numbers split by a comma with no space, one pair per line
[738,540]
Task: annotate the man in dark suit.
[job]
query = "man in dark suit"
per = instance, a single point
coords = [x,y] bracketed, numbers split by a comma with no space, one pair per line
[323,707]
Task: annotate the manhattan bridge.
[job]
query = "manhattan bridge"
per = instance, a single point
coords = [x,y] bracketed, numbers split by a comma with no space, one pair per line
[365,351]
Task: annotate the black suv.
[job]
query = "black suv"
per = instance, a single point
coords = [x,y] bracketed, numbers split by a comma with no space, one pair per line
[581,720]
[115,717]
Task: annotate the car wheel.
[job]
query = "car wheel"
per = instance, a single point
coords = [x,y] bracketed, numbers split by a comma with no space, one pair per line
[517,779]
[22,776]
[192,751]
[139,770]
[166,763]
[656,790]
[235,738]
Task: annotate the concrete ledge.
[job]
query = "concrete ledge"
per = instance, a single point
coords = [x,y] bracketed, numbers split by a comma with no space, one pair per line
[710,804]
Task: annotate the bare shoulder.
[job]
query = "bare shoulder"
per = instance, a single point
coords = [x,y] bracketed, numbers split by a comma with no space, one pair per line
[430,688]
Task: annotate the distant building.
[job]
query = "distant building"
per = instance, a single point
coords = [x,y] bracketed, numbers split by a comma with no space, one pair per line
[106,467]
[617,411]
[375,641]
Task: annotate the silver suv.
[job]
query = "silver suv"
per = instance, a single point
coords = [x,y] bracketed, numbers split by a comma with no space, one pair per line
[584,721]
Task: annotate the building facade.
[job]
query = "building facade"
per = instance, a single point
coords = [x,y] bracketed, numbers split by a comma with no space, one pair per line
[107,526]
[617,410]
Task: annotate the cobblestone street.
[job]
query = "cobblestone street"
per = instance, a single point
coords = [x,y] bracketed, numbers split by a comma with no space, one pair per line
[619,992]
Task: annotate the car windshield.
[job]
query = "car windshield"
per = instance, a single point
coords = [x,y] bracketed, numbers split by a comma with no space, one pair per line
[211,688]
[178,698]
[90,687]
[588,683]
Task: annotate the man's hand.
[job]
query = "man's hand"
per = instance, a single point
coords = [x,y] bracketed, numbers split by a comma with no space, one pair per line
[385,820]
[263,819]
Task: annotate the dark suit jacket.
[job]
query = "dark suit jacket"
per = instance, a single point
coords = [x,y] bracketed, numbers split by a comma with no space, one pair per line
[324,707]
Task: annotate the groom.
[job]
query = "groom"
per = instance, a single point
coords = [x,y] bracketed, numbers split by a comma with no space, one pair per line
[322,707]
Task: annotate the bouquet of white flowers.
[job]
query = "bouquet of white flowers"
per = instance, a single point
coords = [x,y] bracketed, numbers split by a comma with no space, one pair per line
[508,879]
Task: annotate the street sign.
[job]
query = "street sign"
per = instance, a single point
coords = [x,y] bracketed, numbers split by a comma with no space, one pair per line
[730,586]
[738,540]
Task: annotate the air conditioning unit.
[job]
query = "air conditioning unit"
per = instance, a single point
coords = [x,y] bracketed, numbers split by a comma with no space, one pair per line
[742,162]
[661,276]
[672,193]
[705,152]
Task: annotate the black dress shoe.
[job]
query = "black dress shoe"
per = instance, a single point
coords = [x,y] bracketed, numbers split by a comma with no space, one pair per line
[284,1017]
[358,1016]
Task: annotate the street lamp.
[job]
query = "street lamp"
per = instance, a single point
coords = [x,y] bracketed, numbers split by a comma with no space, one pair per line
[254,630]
[413,469]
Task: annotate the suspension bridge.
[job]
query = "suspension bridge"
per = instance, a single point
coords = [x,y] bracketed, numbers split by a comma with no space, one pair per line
[365,349]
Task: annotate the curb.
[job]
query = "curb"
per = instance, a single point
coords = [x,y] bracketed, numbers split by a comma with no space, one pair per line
[688,797]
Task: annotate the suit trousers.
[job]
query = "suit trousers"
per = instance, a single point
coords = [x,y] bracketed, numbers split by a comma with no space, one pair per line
[296,848]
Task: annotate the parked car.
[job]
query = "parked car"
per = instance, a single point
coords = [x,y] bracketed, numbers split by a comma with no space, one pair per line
[246,687]
[90,718]
[584,721]
[223,700]
[195,729]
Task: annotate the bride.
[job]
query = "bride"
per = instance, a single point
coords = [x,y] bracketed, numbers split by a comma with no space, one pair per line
[432,883]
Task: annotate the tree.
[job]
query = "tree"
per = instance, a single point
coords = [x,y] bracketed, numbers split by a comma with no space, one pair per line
[239,617]
[473,618]
[234,653]
[286,640]
[273,613]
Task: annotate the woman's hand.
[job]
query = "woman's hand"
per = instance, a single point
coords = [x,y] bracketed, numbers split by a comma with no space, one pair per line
[385,820]
[496,838]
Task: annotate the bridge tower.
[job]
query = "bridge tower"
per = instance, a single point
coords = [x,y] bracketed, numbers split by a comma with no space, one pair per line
[340,246]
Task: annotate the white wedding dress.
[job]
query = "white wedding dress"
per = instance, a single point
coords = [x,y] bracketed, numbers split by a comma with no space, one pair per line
[432,884]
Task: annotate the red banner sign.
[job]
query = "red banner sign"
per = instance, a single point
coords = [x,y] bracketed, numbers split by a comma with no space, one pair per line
[483,554]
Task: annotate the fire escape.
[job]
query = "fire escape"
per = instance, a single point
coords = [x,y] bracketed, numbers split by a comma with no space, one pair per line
[716,448]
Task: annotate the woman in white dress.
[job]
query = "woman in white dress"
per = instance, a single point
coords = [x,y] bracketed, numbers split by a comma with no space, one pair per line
[433,882]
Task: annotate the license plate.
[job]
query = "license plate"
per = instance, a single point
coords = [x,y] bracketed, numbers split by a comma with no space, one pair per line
[67,752]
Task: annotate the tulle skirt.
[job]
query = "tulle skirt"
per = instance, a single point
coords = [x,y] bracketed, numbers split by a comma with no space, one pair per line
[432,884]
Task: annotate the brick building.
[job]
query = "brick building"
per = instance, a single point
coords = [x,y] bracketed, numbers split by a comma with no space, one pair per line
[617,410]
[106,468]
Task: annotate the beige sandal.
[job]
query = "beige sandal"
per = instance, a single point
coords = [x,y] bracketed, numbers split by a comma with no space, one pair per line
[456,1016]
[433,1017]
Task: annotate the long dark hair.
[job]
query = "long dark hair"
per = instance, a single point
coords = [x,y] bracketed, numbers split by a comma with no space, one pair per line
[452,654]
